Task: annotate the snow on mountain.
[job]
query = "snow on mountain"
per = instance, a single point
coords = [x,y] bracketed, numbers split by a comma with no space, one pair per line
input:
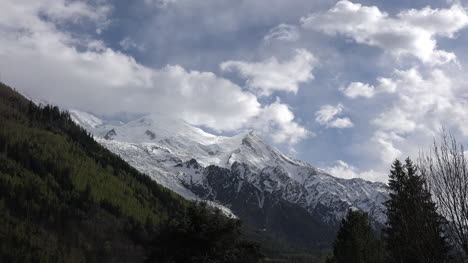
[175,154]
[84,119]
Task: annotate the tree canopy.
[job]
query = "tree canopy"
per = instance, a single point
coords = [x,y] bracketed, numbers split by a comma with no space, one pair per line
[65,198]
[414,229]
[356,241]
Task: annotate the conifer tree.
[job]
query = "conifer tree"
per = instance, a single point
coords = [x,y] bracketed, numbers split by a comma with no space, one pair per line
[355,241]
[414,230]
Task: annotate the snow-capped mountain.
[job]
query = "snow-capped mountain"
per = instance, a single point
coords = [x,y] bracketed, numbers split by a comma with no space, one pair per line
[240,172]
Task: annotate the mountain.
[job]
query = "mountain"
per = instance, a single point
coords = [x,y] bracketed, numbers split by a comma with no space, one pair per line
[267,189]
[66,198]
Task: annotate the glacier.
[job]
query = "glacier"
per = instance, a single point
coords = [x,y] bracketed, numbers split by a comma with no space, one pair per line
[179,155]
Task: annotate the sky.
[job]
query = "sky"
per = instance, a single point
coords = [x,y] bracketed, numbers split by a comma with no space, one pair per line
[347,86]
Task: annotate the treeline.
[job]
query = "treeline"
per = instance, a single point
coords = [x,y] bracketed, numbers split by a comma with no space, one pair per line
[65,198]
[415,232]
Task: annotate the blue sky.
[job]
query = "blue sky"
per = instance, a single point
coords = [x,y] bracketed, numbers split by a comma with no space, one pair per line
[345,85]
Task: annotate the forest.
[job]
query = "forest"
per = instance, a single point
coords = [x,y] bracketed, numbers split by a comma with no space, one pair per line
[65,198]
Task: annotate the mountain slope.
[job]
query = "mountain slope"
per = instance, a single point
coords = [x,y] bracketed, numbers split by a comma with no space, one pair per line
[241,172]
[65,198]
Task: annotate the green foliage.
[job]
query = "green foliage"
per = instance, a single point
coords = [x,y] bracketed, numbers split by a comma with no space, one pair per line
[65,198]
[414,231]
[355,241]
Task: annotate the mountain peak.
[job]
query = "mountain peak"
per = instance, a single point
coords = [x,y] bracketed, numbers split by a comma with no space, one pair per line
[187,141]
[178,155]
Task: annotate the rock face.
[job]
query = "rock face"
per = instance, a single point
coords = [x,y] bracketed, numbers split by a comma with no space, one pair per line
[267,189]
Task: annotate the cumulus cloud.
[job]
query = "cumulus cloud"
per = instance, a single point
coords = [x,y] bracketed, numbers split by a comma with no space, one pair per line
[341,123]
[419,98]
[385,85]
[201,98]
[397,120]
[442,22]
[344,170]
[423,103]
[410,32]
[327,116]
[81,72]
[359,89]
[283,32]
[277,121]
[272,75]
[25,13]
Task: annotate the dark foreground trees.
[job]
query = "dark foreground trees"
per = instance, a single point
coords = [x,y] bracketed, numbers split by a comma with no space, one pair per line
[446,169]
[356,242]
[65,198]
[414,230]
[205,235]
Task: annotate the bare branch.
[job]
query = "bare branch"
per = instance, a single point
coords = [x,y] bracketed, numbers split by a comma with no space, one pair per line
[445,168]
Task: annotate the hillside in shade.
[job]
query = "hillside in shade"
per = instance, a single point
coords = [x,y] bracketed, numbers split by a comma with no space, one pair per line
[65,198]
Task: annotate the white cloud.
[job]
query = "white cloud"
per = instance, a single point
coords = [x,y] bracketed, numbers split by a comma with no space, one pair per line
[396,120]
[344,170]
[386,85]
[419,98]
[271,75]
[201,98]
[341,123]
[442,22]
[327,113]
[383,145]
[25,14]
[404,80]
[277,121]
[327,116]
[283,32]
[359,89]
[410,32]
[421,105]
[44,62]
[128,44]
[160,3]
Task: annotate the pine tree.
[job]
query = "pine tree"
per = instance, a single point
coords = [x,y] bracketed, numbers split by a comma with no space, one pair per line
[355,241]
[414,230]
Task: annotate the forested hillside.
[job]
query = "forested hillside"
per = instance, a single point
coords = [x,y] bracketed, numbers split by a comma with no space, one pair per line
[65,198]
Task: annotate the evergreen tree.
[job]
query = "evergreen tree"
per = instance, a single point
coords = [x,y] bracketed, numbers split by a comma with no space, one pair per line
[65,198]
[203,235]
[355,241]
[414,231]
